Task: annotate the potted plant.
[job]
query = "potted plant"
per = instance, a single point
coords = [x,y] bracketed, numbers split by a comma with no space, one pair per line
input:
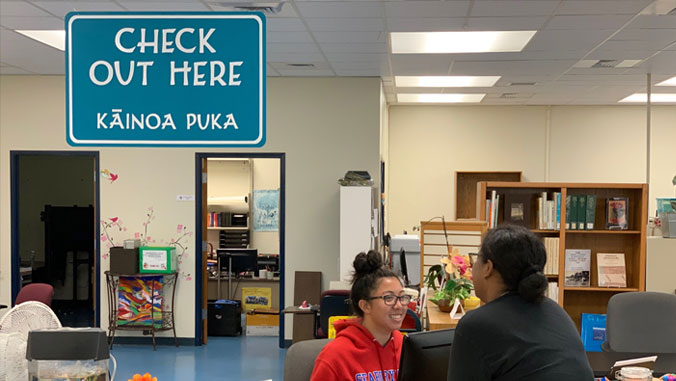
[454,279]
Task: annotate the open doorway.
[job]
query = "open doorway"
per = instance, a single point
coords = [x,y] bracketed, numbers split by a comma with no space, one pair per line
[54,198]
[240,211]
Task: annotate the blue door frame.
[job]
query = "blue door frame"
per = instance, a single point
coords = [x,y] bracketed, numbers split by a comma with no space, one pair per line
[14,223]
[199,222]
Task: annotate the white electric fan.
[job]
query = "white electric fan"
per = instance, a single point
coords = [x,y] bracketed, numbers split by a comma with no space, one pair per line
[14,327]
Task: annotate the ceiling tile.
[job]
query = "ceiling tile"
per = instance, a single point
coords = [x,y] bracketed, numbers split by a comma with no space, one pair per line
[603,7]
[402,9]
[285,24]
[420,64]
[653,22]
[634,45]
[514,67]
[354,48]
[295,57]
[318,65]
[20,8]
[360,57]
[29,23]
[138,6]
[340,9]
[61,8]
[349,37]
[322,24]
[10,70]
[529,55]
[567,39]
[350,65]
[513,8]
[418,24]
[291,37]
[287,9]
[668,35]
[588,22]
[505,23]
[358,73]
[292,48]
[307,73]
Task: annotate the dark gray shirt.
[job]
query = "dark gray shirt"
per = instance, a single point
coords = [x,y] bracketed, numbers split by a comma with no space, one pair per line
[511,339]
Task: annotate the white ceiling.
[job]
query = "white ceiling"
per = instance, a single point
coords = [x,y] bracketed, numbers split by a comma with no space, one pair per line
[350,38]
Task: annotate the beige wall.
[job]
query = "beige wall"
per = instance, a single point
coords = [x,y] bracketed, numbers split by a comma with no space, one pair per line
[325,126]
[429,143]
[548,143]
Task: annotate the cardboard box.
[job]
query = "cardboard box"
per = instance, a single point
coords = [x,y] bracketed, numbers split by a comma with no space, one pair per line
[157,260]
[262,323]
[259,298]
[123,261]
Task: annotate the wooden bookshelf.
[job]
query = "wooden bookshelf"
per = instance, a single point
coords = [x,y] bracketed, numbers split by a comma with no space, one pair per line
[465,189]
[631,242]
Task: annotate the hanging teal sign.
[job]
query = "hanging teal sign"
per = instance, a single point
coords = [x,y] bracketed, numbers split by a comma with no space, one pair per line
[165,79]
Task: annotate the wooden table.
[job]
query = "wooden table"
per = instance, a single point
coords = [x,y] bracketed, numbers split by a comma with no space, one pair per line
[438,319]
[305,331]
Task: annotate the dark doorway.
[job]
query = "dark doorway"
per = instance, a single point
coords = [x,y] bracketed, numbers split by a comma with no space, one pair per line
[54,200]
[210,205]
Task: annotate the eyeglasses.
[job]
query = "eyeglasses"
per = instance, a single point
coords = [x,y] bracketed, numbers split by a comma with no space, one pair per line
[391,299]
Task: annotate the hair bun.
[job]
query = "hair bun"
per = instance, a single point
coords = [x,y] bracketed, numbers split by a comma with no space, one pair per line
[532,287]
[366,263]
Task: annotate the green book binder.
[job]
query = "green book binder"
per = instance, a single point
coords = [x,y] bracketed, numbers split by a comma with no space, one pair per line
[573,212]
[568,207]
[581,211]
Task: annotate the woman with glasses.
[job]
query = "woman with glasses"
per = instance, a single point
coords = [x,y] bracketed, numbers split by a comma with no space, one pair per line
[519,334]
[368,347]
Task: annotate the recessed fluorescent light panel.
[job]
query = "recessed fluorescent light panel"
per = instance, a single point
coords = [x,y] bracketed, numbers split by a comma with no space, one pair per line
[654,98]
[53,38]
[669,82]
[459,42]
[445,81]
[440,98]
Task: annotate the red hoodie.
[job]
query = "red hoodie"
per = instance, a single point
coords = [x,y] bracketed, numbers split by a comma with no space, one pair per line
[355,355]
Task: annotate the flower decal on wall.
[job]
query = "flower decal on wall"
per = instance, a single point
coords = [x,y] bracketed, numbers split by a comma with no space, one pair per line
[112,228]
[106,174]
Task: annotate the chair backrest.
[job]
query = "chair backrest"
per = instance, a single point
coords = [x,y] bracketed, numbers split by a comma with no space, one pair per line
[411,322]
[39,292]
[641,322]
[300,359]
[332,303]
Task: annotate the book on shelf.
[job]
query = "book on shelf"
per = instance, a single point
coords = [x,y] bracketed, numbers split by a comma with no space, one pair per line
[557,200]
[548,211]
[617,213]
[577,267]
[553,291]
[612,271]
[590,211]
[568,207]
[517,209]
[573,211]
[492,208]
[552,249]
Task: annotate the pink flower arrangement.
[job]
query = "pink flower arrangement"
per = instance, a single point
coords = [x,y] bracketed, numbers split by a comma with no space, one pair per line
[457,265]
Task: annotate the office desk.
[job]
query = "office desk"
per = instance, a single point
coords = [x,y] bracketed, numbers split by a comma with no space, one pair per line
[306,332]
[602,361]
[237,284]
[438,319]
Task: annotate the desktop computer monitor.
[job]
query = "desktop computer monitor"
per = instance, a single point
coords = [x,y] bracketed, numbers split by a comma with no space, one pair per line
[243,260]
[425,355]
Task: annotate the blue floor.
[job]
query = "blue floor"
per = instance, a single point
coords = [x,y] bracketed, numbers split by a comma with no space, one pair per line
[223,358]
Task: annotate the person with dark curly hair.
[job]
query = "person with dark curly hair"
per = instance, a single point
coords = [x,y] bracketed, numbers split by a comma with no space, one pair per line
[519,334]
[369,346]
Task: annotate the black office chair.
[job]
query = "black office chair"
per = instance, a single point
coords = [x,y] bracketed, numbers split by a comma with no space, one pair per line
[332,303]
[641,322]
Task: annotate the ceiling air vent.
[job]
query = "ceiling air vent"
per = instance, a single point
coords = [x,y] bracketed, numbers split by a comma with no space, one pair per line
[509,95]
[300,65]
[522,84]
[608,64]
[271,8]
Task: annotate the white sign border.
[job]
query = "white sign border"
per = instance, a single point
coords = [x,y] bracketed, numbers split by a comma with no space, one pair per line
[261,125]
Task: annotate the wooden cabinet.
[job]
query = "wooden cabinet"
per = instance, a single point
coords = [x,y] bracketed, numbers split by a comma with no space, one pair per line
[631,242]
[465,189]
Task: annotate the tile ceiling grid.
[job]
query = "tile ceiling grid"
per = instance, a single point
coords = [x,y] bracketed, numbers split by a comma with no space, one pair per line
[351,38]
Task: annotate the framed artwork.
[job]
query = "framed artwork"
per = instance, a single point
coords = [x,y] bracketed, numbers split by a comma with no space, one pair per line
[266,210]
[617,213]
